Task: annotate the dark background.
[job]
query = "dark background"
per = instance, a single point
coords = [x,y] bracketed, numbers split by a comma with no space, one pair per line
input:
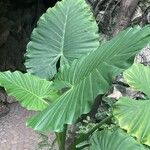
[17,20]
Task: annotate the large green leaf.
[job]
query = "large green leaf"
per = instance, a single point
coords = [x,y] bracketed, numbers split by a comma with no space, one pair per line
[32,92]
[138,77]
[90,76]
[66,32]
[132,115]
[114,140]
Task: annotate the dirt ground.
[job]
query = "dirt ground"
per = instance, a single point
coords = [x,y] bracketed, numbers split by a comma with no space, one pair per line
[14,135]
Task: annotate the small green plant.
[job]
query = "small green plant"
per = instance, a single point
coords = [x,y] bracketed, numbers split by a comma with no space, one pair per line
[66,37]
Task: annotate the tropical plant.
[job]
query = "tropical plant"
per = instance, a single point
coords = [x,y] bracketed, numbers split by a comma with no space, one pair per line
[66,37]
[115,139]
[64,33]
[132,115]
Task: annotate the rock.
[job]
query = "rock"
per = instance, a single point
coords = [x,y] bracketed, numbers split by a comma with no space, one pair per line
[10,99]
[130,92]
[16,24]
[148,17]
[120,90]
[116,94]
[3,110]
[4,98]
[5,26]
[3,95]
[138,14]
[144,56]
[24,1]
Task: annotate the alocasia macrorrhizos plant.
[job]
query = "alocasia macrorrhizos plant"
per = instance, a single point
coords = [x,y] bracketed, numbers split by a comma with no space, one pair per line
[64,33]
[32,92]
[115,139]
[132,115]
[67,33]
[88,77]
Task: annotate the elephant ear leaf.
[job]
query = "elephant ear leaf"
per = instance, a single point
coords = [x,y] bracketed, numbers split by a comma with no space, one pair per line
[133,115]
[138,77]
[113,140]
[90,76]
[32,92]
[64,33]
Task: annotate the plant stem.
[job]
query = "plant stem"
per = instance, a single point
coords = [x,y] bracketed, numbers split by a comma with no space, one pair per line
[61,138]
[87,135]
[70,141]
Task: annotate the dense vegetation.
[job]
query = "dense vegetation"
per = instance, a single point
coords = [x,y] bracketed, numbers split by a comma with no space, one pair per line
[68,67]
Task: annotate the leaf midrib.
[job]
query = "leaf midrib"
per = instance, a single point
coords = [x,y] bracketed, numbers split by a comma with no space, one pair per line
[64,32]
